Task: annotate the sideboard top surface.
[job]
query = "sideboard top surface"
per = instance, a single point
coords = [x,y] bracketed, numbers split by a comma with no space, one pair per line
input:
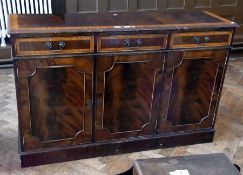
[122,21]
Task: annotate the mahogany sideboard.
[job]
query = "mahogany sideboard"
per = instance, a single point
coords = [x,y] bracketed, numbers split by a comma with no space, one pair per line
[100,84]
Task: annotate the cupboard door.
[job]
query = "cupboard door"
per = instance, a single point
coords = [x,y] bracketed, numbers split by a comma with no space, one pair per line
[191,89]
[54,98]
[127,95]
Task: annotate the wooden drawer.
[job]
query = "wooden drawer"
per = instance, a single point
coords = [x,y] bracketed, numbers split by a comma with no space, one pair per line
[131,42]
[200,39]
[54,45]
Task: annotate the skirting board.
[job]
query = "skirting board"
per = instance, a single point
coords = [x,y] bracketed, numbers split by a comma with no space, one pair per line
[105,148]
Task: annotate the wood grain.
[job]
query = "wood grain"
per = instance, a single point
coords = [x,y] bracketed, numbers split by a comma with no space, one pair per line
[127,90]
[54,111]
[117,42]
[86,105]
[107,22]
[38,46]
[188,102]
[228,137]
[187,40]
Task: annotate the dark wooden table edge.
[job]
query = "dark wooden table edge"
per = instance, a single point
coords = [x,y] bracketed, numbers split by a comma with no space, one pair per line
[223,156]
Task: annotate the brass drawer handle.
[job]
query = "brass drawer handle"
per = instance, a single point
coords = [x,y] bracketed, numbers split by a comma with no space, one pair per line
[49,45]
[61,45]
[127,43]
[139,42]
[197,39]
[207,39]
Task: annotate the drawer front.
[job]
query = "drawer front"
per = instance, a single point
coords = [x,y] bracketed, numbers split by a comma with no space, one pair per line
[131,42]
[200,39]
[54,45]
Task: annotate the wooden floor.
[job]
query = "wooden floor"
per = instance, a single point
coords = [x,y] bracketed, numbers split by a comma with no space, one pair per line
[228,138]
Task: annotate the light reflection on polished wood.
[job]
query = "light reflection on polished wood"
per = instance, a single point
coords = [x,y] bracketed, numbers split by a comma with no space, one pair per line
[228,138]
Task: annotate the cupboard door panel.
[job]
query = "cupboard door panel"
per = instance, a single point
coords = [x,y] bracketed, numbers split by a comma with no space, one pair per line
[192,87]
[191,90]
[55,100]
[128,96]
[127,90]
[56,112]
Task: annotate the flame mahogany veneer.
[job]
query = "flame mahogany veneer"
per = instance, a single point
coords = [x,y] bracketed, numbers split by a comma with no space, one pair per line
[100,84]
